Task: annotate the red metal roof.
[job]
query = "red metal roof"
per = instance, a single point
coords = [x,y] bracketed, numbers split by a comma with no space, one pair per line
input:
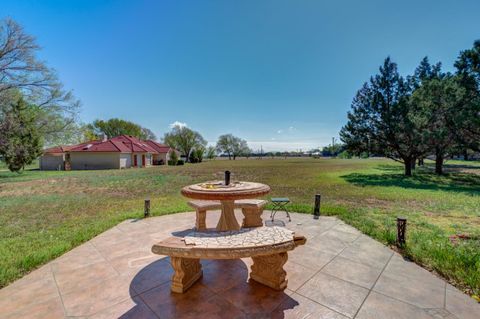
[96,146]
[54,150]
[161,148]
[122,144]
[63,148]
[134,144]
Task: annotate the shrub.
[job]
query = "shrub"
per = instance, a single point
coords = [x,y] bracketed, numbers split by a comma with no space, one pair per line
[177,163]
[345,155]
[364,155]
[173,158]
[196,155]
[193,157]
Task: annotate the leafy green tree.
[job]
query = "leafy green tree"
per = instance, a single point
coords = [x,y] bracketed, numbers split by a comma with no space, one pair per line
[232,146]
[86,133]
[20,140]
[184,139]
[241,149]
[115,127]
[211,152]
[225,144]
[380,121]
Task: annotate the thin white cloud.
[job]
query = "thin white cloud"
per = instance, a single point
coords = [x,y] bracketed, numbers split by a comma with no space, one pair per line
[279,131]
[178,123]
[291,129]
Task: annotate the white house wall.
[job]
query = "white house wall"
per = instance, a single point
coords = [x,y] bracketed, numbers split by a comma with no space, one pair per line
[91,160]
[125,160]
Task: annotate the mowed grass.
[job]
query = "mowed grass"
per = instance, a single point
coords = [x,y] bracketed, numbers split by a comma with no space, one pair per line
[44,214]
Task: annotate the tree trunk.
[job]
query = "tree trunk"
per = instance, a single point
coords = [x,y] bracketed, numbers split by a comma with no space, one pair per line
[420,161]
[414,163]
[465,155]
[234,156]
[438,161]
[229,156]
[408,166]
[439,165]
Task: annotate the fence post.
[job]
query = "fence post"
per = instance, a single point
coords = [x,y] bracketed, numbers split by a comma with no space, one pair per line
[316,210]
[146,210]
[401,231]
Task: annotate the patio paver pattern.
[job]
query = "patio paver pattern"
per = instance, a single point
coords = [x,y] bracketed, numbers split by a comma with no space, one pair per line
[339,273]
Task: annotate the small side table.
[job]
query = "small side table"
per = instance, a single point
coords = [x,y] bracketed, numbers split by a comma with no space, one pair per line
[280,203]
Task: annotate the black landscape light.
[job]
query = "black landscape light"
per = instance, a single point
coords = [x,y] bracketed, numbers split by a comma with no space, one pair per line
[401,231]
[227,178]
[316,209]
[146,209]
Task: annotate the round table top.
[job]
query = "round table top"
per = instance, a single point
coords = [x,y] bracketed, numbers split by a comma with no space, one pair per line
[215,190]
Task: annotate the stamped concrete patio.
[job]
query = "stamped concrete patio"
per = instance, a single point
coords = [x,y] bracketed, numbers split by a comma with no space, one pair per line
[339,273]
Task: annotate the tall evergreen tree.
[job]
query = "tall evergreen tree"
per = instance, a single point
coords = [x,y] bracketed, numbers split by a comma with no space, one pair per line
[380,121]
[436,102]
[467,121]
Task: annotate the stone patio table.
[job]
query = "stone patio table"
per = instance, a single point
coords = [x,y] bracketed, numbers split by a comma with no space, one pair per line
[226,194]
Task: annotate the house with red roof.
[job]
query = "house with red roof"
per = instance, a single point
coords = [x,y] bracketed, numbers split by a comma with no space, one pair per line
[122,151]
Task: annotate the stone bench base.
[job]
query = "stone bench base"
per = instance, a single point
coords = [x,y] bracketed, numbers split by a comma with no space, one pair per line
[252,210]
[267,270]
[187,272]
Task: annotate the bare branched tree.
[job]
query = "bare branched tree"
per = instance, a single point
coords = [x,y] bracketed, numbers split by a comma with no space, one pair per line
[21,71]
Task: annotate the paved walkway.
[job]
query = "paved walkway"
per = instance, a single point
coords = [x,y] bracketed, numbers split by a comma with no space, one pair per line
[339,273]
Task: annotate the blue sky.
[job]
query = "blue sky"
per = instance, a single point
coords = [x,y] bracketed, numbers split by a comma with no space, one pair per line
[280,74]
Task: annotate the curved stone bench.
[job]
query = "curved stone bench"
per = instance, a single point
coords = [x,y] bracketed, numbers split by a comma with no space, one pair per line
[267,246]
[252,210]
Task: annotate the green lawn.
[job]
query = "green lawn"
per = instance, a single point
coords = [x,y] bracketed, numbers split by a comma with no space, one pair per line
[44,214]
